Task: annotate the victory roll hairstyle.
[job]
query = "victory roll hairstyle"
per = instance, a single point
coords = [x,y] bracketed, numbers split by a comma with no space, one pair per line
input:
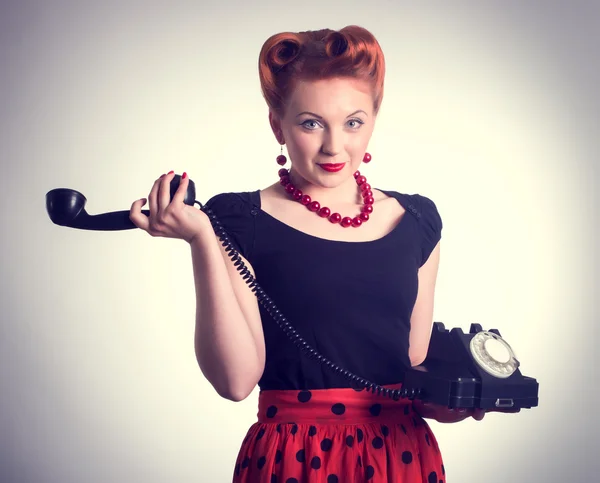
[287,57]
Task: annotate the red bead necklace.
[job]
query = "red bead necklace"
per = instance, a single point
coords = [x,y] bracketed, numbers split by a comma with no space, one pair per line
[324,212]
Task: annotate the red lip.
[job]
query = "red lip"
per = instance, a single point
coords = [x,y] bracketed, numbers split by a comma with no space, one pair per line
[332,167]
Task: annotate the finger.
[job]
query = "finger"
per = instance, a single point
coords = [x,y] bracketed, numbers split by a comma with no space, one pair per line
[164,192]
[152,197]
[478,414]
[138,218]
[181,190]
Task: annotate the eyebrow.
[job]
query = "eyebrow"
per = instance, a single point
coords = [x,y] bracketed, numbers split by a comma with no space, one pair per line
[320,117]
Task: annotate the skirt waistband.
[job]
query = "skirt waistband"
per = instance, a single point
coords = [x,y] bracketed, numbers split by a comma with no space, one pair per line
[337,405]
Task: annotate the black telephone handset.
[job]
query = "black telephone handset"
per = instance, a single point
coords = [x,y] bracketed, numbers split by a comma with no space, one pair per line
[475,370]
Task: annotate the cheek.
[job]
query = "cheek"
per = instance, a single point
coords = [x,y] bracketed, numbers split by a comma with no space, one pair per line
[303,144]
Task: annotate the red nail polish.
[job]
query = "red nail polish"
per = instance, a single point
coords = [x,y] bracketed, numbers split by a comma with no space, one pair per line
[170,172]
[184,175]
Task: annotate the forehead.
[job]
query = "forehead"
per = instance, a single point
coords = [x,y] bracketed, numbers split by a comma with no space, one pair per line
[331,96]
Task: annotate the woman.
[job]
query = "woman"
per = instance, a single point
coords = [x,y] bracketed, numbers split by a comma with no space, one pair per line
[353,268]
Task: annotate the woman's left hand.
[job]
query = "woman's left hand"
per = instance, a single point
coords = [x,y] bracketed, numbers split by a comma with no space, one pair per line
[443,414]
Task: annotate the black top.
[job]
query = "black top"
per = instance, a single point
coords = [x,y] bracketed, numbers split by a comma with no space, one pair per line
[350,301]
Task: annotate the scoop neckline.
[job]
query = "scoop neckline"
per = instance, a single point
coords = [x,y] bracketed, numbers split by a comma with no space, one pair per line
[290,228]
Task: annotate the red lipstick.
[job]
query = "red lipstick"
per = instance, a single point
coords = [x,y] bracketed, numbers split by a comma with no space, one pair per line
[332,167]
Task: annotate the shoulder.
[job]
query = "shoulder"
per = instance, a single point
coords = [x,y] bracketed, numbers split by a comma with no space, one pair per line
[421,207]
[234,212]
[426,212]
[231,202]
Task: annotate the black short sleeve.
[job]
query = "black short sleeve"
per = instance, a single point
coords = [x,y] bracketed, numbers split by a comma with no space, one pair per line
[430,226]
[234,212]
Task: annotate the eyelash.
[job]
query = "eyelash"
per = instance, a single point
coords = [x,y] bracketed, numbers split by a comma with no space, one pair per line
[317,122]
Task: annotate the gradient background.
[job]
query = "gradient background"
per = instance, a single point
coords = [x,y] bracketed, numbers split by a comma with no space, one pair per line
[491,109]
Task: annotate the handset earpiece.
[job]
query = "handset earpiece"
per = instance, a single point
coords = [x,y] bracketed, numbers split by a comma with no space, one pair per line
[66,207]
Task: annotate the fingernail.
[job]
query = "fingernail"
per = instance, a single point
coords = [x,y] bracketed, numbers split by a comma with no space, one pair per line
[170,172]
[184,175]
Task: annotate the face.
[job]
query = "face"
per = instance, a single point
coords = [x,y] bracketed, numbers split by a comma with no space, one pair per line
[326,121]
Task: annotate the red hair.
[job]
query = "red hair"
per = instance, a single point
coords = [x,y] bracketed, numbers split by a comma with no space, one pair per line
[352,52]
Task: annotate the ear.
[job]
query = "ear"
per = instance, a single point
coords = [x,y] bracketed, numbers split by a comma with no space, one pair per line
[276,127]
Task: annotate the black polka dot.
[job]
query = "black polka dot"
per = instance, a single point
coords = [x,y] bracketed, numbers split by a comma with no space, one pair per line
[326,444]
[350,441]
[332,479]
[359,435]
[261,462]
[278,456]
[312,430]
[279,428]
[301,456]
[358,389]
[432,478]
[294,428]
[237,469]
[260,434]
[338,409]
[385,430]
[273,478]
[359,461]
[291,480]
[271,411]
[406,409]
[245,462]
[315,463]
[377,442]
[407,457]
[441,481]
[304,396]
[370,472]
[415,423]
[427,439]
[443,470]
[403,428]
[375,409]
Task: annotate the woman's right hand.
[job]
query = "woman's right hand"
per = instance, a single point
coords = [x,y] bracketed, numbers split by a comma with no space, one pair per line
[169,218]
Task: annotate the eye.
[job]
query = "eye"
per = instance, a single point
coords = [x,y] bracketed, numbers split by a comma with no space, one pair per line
[307,121]
[357,121]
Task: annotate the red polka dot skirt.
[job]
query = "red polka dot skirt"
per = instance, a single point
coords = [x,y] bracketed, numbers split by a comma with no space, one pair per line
[337,435]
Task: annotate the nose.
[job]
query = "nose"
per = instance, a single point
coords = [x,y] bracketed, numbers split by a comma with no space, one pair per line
[332,142]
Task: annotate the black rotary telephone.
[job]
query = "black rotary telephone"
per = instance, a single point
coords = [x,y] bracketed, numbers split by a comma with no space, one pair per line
[474,370]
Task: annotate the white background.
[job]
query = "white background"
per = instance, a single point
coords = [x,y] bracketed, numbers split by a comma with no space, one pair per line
[490,109]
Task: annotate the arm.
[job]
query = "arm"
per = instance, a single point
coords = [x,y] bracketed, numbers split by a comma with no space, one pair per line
[228,340]
[421,320]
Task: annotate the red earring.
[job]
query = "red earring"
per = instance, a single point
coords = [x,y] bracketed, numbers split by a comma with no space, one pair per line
[281,159]
[367,158]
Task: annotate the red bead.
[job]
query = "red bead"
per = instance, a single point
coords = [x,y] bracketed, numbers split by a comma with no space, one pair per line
[367,209]
[367,193]
[283,172]
[365,186]
[346,221]
[356,174]
[360,180]
[367,158]
[364,216]
[324,212]
[305,200]
[284,181]
[369,200]
[297,194]
[314,206]
[335,218]
[290,188]
[281,160]
[356,222]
